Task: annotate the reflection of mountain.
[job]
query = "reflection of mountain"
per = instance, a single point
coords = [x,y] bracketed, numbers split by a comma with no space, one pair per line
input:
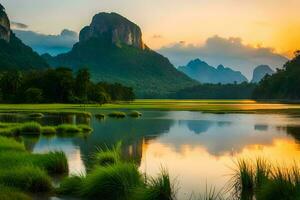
[130,131]
[198,126]
[294,131]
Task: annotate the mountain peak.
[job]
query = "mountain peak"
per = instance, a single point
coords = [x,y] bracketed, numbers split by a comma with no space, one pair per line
[4,25]
[115,28]
[260,72]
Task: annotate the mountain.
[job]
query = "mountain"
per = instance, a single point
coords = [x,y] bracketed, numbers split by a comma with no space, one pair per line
[283,84]
[111,47]
[13,53]
[204,73]
[260,72]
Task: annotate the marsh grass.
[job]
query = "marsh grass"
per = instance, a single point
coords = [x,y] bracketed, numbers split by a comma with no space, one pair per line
[100,116]
[261,181]
[135,114]
[117,115]
[31,128]
[8,193]
[85,128]
[112,182]
[27,178]
[68,128]
[160,188]
[8,144]
[106,156]
[35,115]
[71,186]
[210,194]
[48,130]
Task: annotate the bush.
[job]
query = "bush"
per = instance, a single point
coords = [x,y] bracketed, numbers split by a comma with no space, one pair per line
[70,186]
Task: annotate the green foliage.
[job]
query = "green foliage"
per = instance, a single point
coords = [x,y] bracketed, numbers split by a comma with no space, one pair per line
[284,84]
[104,157]
[71,186]
[58,85]
[85,128]
[117,115]
[7,144]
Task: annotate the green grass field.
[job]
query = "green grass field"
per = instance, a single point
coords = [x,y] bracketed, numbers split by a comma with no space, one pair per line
[212,106]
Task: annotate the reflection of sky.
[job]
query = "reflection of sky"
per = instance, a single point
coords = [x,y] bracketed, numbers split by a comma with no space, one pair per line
[62,144]
[197,148]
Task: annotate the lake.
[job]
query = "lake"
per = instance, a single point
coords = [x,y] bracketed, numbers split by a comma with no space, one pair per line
[198,149]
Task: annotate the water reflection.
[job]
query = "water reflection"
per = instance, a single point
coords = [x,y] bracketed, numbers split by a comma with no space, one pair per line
[197,148]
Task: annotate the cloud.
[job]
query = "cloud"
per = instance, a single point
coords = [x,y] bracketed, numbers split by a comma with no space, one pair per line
[230,52]
[18,25]
[52,44]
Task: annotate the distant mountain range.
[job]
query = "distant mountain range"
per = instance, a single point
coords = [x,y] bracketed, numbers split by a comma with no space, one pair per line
[204,73]
[111,47]
[13,53]
[260,72]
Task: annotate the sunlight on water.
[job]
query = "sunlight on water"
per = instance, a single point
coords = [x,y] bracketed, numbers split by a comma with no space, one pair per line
[198,149]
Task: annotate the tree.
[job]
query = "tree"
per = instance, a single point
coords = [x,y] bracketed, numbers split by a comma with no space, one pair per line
[33,95]
[82,83]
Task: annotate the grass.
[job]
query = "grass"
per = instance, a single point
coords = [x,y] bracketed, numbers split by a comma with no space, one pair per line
[48,130]
[85,128]
[8,193]
[25,171]
[100,116]
[104,157]
[261,181]
[32,128]
[211,106]
[157,188]
[135,114]
[117,115]
[27,178]
[36,115]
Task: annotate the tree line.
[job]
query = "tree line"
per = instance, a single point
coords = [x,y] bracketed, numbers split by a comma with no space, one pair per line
[284,84]
[59,85]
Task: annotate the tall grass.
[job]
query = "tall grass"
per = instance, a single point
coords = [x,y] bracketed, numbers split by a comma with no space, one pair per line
[7,144]
[30,128]
[261,181]
[135,114]
[28,178]
[117,115]
[113,182]
[106,156]
[160,188]
[68,128]
[8,193]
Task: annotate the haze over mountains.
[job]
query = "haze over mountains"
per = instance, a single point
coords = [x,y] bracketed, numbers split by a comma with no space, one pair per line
[204,73]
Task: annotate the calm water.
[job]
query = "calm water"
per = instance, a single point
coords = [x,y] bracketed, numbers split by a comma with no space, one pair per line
[198,149]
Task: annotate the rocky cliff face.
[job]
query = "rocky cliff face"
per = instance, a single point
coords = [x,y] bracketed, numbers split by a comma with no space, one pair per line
[4,25]
[260,72]
[114,27]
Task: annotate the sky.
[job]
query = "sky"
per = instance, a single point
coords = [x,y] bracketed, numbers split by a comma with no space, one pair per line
[272,24]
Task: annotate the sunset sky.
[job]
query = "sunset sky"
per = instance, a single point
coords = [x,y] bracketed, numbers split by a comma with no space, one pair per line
[268,23]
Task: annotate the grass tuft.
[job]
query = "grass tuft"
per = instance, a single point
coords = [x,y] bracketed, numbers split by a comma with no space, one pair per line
[68,128]
[32,128]
[8,193]
[35,115]
[135,114]
[117,115]
[100,116]
[48,130]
